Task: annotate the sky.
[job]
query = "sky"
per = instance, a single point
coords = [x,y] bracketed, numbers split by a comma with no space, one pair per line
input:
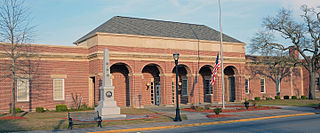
[62,22]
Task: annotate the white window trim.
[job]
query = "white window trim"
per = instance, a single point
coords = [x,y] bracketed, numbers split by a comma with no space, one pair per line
[182,88]
[248,86]
[210,88]
[62,90]
[27,91]
[264,85]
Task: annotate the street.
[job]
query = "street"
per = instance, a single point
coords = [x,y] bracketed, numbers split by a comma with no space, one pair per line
[306,124]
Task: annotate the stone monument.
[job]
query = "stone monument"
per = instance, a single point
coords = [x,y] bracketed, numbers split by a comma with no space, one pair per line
[107,107]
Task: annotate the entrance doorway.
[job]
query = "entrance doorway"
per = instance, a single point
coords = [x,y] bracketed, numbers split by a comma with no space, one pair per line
[151,77]
[231,85]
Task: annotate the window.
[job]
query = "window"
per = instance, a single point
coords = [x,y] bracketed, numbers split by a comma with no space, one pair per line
[152,93]
[58,89]
[22,90]
[184,87]
[207,87]
[246,84]
[278,89]
[262,85]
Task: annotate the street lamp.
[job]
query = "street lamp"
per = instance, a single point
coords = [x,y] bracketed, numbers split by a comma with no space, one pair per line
[176,58]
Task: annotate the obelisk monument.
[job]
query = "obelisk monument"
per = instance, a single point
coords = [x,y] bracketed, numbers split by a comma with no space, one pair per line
[107,107]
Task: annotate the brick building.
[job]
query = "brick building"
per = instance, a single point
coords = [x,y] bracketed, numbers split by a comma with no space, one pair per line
[142,68]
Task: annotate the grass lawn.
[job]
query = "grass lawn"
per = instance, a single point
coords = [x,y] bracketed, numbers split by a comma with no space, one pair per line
[53,120]
[289,102]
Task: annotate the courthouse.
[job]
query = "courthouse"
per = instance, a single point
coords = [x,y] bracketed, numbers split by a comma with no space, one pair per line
[142,68]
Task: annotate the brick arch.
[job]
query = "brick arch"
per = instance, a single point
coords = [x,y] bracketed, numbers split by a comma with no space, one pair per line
[204,83]
[186,67]
[153,94]
[120,80]
[123,63]
[232,83]
[153,64]
[183,71]
[230,67]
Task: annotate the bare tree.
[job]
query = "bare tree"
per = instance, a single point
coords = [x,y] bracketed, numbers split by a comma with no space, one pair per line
[273,67]
[15,31]
[303,35]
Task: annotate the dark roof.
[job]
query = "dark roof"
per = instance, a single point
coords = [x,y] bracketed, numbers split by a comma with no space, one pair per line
[159,28]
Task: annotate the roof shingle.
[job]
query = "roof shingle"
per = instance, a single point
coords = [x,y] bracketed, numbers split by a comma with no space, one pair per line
[159,28]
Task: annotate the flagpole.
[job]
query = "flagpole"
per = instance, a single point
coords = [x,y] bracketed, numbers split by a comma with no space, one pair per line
[222,74]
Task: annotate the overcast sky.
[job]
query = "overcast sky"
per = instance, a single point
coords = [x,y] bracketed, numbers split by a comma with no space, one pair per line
[61,22]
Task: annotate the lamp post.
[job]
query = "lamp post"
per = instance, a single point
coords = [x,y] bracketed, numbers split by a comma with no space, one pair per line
[176,58]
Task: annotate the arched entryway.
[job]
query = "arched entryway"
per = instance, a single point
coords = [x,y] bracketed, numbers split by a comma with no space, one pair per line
[120,80]
[183,71]
[230,72]
[151,79]
[206,73]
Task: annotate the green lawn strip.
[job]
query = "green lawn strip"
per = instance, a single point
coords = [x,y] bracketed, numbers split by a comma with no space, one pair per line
[53,120]
[289,102]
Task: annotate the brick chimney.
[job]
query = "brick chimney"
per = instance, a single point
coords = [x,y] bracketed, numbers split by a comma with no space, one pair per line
[293,52]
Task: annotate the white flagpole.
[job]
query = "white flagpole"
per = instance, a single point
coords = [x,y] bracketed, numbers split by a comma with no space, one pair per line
[222,74]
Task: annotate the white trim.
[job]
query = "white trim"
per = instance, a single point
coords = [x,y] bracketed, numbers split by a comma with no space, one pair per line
[62,90]
[264,85]
[186,87]
[247,91]
[27,80]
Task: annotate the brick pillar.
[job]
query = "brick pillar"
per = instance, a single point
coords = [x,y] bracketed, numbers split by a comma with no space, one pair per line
[136,90]
[166,88]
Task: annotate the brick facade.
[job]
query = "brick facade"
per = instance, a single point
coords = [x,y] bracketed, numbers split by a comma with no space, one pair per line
[142,68]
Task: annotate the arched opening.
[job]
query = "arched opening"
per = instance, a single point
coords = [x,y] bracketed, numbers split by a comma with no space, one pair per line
[151,79]
[183,79]
[206,74]
[230,72]
[120,80]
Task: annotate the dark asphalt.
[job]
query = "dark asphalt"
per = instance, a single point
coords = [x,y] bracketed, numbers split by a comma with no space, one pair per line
[299,124]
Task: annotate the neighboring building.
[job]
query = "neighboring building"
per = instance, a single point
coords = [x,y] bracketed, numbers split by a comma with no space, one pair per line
[142,68]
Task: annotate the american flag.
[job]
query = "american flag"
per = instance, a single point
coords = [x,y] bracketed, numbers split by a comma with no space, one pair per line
[214,71]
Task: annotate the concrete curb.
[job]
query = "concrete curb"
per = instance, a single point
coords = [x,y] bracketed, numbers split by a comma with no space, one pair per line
[202,124]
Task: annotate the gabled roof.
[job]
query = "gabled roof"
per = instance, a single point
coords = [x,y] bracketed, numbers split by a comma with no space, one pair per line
[159,28]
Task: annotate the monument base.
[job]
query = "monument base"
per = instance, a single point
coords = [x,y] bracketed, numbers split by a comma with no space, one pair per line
[108,109]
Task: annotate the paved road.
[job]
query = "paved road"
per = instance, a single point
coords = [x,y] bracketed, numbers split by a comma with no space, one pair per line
[299,124]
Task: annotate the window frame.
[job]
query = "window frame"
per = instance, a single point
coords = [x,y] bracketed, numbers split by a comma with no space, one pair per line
[208,88]
[28,90]
[62,89]
[247,85]
[264,85]
[186,90]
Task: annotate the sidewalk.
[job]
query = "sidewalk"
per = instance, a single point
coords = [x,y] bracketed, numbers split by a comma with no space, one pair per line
[196,118]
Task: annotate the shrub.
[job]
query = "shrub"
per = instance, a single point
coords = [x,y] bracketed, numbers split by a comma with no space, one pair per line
[257,98]
[199,109]
[39,109]
[18,110]
[61,107]
[268,98]
[206,107]
[303,97]
[285,97]
[277,97]
[84,106]
[217,111]
[259,106]
[294,97]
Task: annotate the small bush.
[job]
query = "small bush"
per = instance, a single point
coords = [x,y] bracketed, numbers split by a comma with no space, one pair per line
[257,98]
[39,109]
[84,106]
[206,107]
[294,97]
[217,111]
[18,110]
[285,97]
[199,109]
[259,106]
[268,98]
[61,107]
[277,97]
[303,97]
